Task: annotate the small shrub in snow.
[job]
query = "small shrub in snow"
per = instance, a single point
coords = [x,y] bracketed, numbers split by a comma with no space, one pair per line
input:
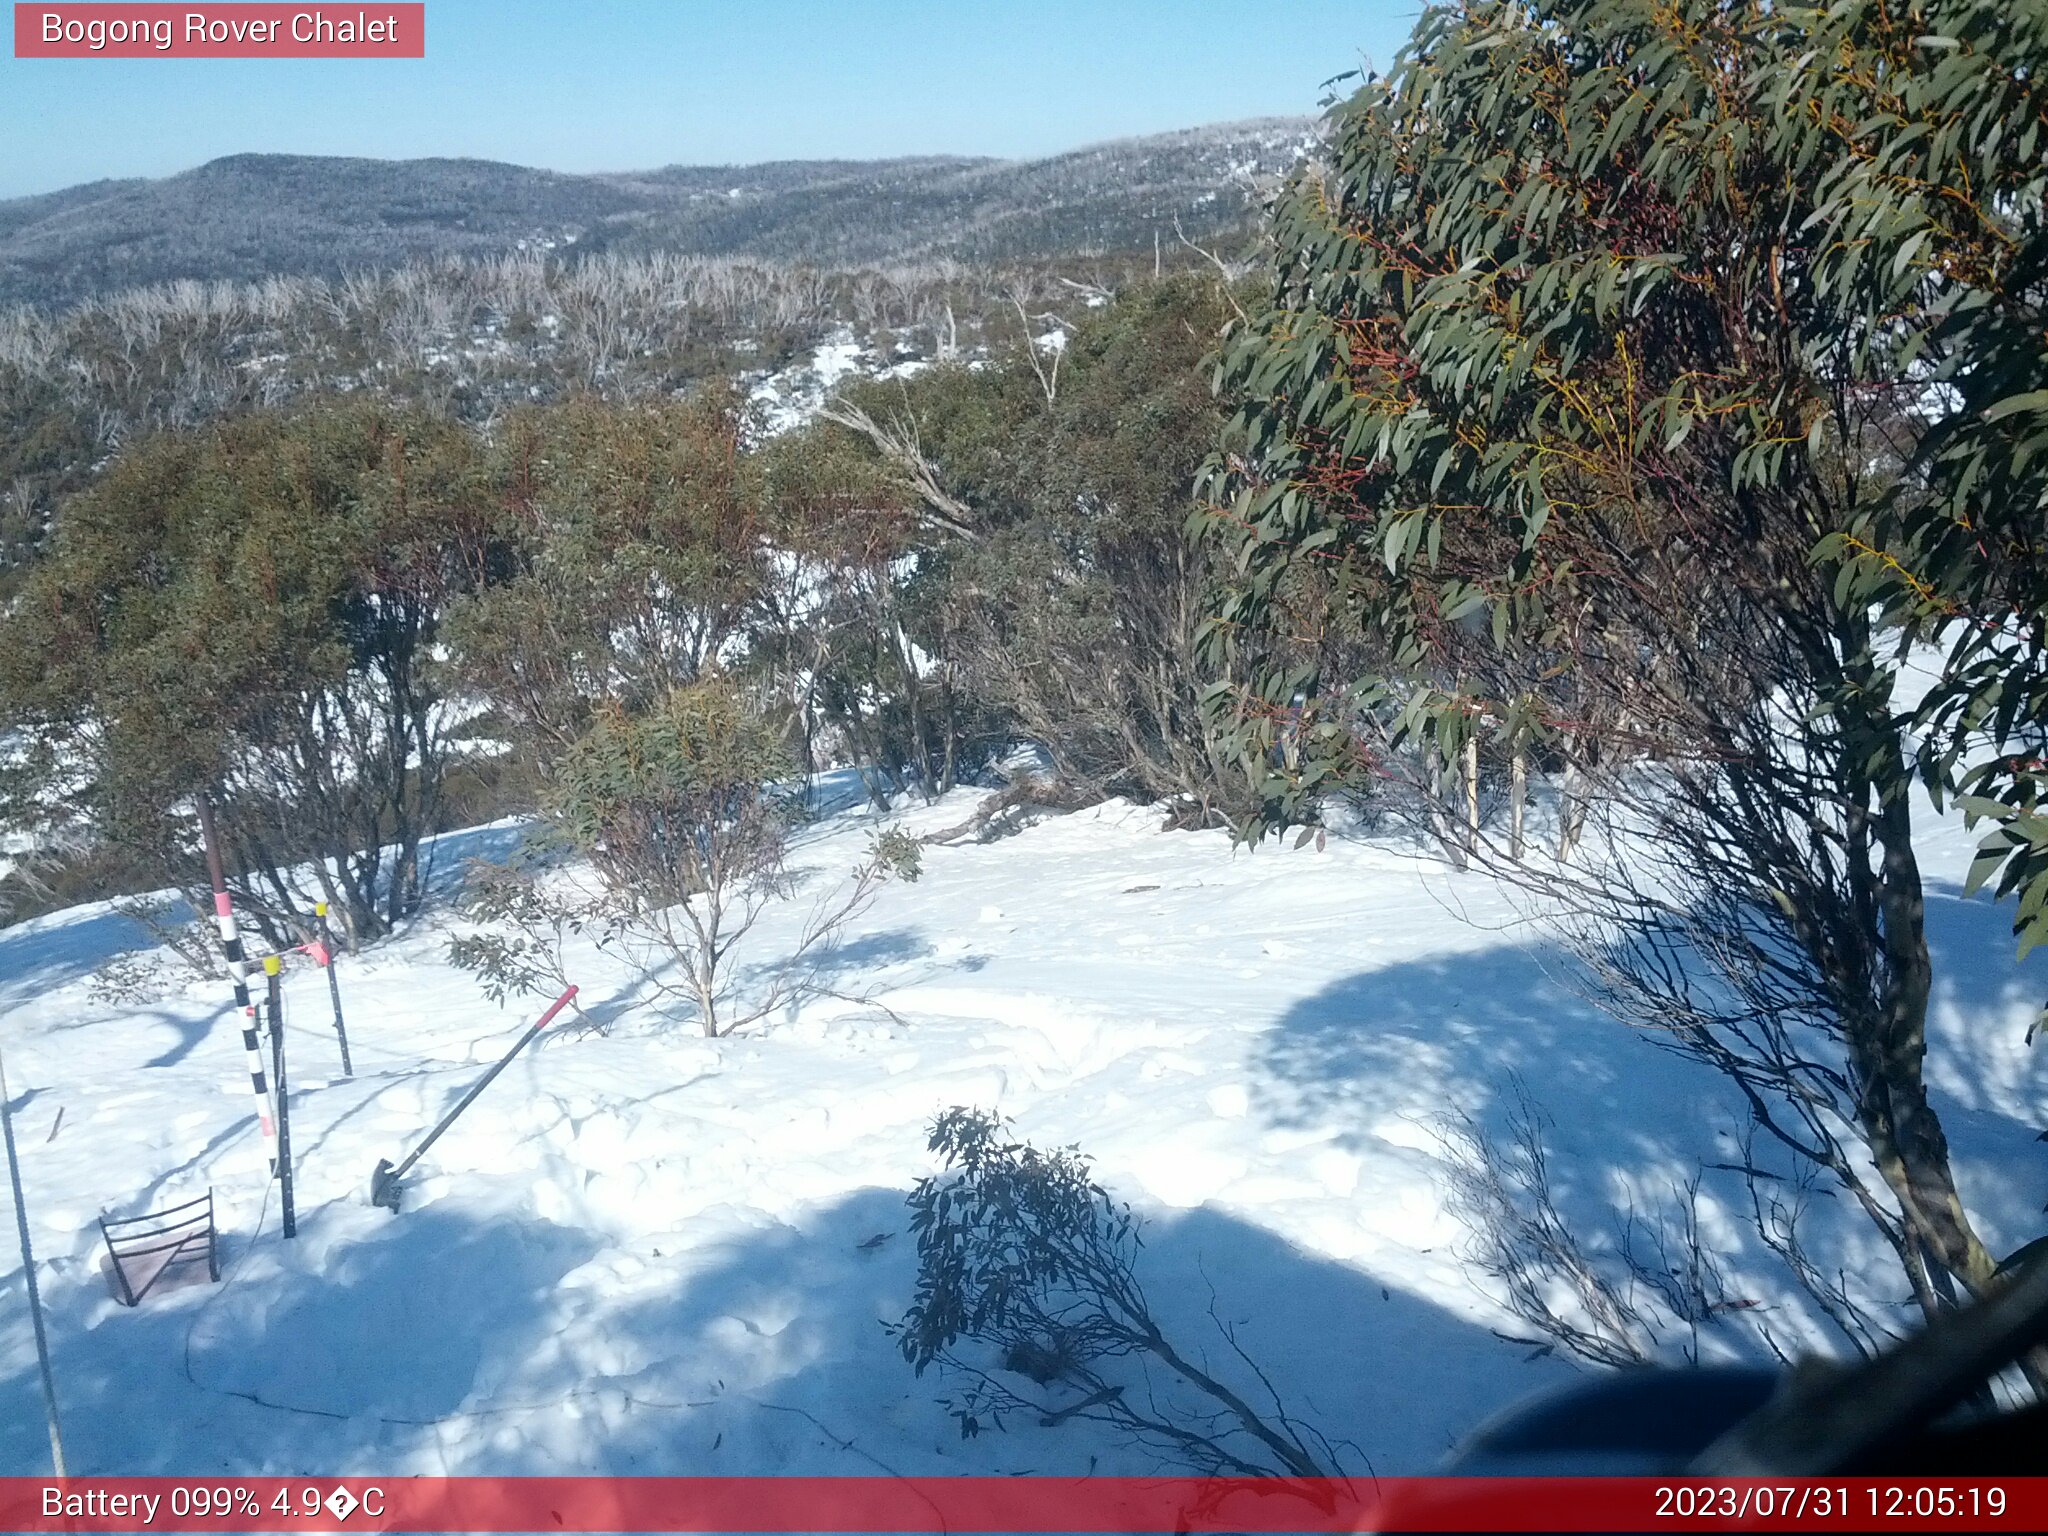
[526,925]
[135,979]
[185,952]
[674,807]
[1022,1255]
[1656,1294]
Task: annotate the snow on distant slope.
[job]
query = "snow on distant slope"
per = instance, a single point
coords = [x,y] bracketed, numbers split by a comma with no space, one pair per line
[789,397]
[648,1252]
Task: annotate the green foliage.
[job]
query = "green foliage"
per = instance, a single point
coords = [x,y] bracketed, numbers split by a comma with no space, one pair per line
[638,538]
[850,607]
[1071,599]
[251,613]
[1936,215]
[46,450]
[1596,293]
[896,855]
[1602,405]
[1012,1243]
[524,926]
[676,795]
[1025,1259]
[684,811]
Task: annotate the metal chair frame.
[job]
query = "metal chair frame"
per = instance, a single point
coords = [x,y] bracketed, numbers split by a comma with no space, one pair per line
[178,1232]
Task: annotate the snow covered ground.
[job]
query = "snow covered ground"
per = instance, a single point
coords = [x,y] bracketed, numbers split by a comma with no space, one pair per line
[647,1252]
[792,396]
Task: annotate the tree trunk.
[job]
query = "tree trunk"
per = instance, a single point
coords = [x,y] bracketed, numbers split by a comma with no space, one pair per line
[1888,1056]
[950,765]
[1518,800]
[1571,812]
[1439,820]
[1472,794]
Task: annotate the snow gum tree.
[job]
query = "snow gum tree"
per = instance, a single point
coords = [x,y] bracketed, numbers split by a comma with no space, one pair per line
[1595,394]
[638,556]
[634,658]
[1052,490]
[252,613]
[674,806]
[853,635]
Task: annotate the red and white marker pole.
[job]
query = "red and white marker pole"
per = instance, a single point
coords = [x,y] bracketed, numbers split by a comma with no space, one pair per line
[238,964]
[322,950]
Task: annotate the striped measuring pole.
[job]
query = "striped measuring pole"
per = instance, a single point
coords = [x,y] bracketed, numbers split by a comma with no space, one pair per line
[252,1043]
[238,966]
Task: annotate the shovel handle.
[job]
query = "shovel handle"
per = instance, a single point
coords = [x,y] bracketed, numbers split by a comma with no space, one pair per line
[484,1082]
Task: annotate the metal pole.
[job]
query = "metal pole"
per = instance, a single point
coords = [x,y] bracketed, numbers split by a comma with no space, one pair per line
[272,967]
[485,1081]
[384,1178]
[333,986]
[28,1269]
[231,945]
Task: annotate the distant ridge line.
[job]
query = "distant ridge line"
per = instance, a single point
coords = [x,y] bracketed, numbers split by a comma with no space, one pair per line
[252,215]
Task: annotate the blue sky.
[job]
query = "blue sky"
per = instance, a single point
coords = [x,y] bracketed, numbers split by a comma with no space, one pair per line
[585,85]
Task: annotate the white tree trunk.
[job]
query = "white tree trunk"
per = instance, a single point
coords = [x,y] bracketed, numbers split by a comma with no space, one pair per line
[1471,794]
[1439,820]
[1518,799]
[1571,813]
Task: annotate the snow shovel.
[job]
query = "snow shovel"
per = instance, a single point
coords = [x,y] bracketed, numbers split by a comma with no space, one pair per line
[384,1181]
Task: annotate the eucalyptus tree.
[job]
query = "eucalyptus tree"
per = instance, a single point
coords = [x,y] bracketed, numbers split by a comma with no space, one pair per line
[1618,357]
[253,614]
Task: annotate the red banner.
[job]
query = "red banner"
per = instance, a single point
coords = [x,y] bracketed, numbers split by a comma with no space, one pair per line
[371,30]
[1019,1504]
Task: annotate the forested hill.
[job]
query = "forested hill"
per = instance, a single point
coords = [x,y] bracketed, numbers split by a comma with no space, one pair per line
[251,216]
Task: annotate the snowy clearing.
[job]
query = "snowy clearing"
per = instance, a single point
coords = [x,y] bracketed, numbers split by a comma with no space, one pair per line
[649,1252]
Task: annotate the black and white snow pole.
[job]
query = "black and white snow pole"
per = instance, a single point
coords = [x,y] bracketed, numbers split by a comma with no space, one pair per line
[238,964]
[273,969]
[384,1178]
[28,1269]
[333,986]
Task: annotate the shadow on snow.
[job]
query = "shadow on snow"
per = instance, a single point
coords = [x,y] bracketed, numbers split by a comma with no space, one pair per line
[445,1339]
